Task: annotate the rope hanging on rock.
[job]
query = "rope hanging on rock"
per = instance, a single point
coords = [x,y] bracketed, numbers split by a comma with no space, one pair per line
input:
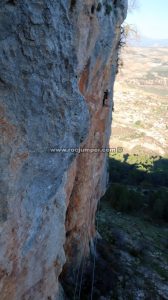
[94,252]
[79,279]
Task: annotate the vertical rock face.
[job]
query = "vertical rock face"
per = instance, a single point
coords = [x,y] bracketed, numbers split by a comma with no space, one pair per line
[57,59]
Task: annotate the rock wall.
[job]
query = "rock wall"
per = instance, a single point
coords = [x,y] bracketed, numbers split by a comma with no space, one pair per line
[57,59]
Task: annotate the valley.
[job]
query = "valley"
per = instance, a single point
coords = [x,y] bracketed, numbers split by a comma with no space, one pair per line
[140,119]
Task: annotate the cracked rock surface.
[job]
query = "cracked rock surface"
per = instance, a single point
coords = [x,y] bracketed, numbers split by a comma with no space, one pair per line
[57,59]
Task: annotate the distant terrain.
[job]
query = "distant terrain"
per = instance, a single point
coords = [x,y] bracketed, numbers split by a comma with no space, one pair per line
[132,218]
[148,42]
[141,102]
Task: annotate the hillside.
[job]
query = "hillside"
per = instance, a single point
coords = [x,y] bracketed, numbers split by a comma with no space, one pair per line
[133,214]
[141,102]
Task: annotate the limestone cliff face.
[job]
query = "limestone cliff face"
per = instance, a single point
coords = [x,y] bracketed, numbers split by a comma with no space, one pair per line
[57,59]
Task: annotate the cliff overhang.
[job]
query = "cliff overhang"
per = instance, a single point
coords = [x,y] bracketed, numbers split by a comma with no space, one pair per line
[57,60]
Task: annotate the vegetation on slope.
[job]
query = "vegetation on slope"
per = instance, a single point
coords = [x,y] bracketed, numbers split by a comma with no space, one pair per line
[139,183]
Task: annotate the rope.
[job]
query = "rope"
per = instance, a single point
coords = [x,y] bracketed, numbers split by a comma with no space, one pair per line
[77,277]
[81,266]
[94,253]
[87,225]
[93,274]
[82,272]
[76,284]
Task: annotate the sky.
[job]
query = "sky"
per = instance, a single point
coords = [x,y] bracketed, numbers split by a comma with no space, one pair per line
[150,18]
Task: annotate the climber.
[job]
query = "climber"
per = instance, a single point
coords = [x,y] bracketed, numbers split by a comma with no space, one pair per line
[106,96]
[113,107]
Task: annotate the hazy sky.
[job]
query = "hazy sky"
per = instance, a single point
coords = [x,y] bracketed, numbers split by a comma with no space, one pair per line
[151,18]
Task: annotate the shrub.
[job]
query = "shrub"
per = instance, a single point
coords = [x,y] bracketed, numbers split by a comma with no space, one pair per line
[108,9]
[72,5]
[123,199]
[99,6]
[143,172]
[138,123]
[158,202]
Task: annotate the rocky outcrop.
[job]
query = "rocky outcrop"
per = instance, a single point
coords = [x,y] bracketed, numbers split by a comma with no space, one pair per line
[57,59]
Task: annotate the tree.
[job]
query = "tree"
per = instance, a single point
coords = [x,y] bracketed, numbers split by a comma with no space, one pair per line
[130,31]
